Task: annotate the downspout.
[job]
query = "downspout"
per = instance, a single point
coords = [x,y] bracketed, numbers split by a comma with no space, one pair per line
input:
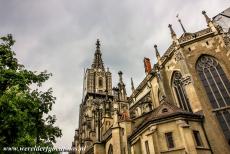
[205,134]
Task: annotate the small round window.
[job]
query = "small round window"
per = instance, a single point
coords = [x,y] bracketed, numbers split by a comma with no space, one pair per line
[164,110]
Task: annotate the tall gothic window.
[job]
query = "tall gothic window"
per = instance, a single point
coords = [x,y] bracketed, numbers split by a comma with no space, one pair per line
[180,91]
[169,140]
[147,147]
[217,87]
[110,151]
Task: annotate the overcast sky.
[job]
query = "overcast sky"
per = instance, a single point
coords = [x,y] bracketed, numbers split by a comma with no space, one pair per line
[60,35]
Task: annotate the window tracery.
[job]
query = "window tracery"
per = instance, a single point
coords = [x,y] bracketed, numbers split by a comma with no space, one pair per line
[180,91]
[217,87]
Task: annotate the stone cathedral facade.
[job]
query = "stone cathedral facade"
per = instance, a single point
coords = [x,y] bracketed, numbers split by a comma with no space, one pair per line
[182,106]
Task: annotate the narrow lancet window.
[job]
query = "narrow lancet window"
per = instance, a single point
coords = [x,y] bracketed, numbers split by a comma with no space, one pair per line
[180,91]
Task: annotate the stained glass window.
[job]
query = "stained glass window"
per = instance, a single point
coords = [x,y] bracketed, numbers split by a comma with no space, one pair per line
[217,87]
[197,137]
[169,140]
[180,91]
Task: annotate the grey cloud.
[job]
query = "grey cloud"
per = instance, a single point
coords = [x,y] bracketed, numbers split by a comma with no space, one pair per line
[60,35]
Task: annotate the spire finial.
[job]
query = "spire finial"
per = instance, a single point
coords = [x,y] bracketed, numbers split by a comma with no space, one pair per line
[98,44]
[182,26]
[97,62]
[206,17]
[157,52]
[210,24]
[132,85]
[173,34]
[120,76]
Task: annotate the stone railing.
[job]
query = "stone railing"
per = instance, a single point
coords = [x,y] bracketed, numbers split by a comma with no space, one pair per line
[168,52]
[187,38]
[191,36]
[203,32]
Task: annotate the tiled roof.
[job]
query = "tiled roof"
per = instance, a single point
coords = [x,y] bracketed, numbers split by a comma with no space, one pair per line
[164,111]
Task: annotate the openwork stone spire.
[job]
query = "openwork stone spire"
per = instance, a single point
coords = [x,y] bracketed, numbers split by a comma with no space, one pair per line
[206,17]
[157,54]
[182,26]
[97,62]
[132,85]
[211,24]
[173,34]
[120,77]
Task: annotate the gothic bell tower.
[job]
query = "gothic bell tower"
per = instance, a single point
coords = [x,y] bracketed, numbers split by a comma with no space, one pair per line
[96,102]
[97,80]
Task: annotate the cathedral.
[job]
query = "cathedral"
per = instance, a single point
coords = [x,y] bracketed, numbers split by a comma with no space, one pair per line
[182,106]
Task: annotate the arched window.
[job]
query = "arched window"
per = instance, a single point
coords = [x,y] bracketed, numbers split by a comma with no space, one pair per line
[180,91]
[110,151]
[100,81]
[217,87]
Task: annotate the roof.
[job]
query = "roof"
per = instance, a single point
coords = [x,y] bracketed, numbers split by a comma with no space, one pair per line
[223,19]
[224,13]
[163,112]
[142,84]
[184,39]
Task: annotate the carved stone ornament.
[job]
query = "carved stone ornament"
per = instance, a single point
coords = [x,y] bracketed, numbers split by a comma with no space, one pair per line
[147,98]
[183,124]
[178,56]
[100,74]
[227,39]
[178,79]
[191,36]
[206,62]
[124,115]
[153,128]
[186,80]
